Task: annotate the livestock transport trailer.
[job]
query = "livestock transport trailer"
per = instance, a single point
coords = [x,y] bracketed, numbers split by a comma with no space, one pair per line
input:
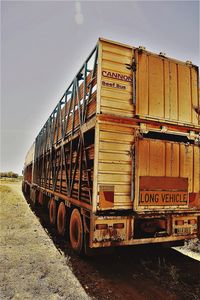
[118,160]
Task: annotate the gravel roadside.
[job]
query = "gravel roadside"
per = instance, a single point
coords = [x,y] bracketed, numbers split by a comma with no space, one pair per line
[31,266]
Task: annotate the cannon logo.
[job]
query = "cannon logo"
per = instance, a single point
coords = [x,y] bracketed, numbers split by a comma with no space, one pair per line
[118,76]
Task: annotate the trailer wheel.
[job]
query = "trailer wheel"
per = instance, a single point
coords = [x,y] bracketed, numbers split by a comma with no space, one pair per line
[61,219]
[76,231]
[52,212]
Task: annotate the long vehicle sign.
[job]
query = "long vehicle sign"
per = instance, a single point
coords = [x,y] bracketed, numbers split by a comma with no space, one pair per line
[165,191]
[163,198]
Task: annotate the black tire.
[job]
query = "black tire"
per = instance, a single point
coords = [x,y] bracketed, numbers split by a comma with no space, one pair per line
[76,231]
[61,219]
[52,212]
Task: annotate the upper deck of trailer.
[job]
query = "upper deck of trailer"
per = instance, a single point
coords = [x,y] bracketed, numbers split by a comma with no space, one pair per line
[128,82]
[29,156]
[134,82]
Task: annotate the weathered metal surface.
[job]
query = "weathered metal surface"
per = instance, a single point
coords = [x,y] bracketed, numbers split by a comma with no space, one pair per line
[134,82]
[106,196]
[115,80]
[120,230]
[169,183]
[166,89]
[113,165]
[168,166]
[164,159]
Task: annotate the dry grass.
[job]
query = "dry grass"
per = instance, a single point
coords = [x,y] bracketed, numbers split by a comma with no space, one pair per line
[31,266]
[5,189]
[11,180]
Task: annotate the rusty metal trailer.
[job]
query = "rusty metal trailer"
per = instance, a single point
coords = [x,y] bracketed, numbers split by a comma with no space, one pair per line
[118,160]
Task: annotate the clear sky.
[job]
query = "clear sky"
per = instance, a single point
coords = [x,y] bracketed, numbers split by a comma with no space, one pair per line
[43,44]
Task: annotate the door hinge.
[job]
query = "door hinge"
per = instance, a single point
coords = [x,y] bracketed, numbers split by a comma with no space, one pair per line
[131,66]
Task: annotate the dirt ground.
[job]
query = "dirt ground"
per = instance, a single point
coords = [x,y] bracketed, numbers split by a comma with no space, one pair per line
[31,266]
[138,273]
